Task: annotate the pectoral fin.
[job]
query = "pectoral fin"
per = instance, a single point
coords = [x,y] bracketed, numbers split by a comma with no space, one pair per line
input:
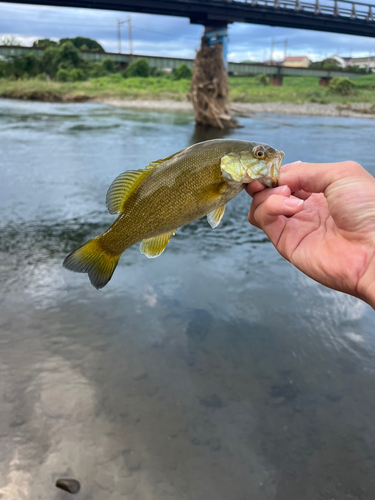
[215,217]
[153,247]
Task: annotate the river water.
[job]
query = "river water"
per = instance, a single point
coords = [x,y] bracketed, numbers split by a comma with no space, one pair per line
[214,372]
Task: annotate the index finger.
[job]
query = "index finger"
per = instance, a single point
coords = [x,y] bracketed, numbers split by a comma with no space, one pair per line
[316,177]
[254,187]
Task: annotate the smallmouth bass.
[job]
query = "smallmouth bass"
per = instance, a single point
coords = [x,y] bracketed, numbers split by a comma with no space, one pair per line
[169,193]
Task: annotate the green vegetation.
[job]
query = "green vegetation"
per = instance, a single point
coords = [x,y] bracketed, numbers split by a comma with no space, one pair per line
[341,86]
[262,80]
[140,67]
[301,89]
[335,65]
[61,75]
[61,61]
[183,72]
[79,42]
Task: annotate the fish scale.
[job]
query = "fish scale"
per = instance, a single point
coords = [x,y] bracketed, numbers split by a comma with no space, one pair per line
[170,193]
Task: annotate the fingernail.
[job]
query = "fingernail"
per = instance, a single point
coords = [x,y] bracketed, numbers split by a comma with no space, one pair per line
[292,202]
[287,165]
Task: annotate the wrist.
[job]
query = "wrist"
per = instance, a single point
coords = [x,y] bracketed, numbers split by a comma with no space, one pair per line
[366,285]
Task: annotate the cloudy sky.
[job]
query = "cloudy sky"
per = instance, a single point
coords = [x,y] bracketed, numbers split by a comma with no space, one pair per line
[171,36]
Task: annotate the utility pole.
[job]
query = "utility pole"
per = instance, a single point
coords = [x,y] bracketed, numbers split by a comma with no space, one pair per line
[119,35]
[285,48]
[119,23]
[130,38]
[272,47]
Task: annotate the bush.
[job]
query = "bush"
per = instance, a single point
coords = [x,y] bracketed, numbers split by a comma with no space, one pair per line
[108,65]
[77,75]
[26,65]
[70,75]
[261,80]
[97,70]
[341,86]
[140,67]
[62,75]
[182,72]
[69,56]
[49,61]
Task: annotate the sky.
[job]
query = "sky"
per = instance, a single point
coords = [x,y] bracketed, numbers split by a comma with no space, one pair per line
[172,36]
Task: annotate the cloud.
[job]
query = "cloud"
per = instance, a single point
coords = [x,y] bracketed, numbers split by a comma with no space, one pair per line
[171,36]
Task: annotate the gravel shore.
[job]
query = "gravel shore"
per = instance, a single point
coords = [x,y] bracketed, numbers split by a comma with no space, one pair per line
[354,110]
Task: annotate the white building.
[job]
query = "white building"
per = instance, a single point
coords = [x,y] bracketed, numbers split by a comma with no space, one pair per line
[361,62]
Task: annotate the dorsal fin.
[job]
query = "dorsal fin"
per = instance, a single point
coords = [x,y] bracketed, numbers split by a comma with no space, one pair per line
[123,186]
[162,160]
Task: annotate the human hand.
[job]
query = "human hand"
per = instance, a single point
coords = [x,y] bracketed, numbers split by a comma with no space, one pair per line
[321,218]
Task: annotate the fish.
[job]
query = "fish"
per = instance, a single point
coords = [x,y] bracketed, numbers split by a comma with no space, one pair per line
[155,201]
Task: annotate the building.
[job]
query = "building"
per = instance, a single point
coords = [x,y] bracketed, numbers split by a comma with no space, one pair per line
[339,60]
[361,62]
[296,62]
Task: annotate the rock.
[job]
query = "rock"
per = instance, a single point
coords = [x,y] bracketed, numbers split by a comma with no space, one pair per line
[70,485]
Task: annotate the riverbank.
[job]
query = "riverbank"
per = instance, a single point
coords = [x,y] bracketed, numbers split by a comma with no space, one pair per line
[353,110]
[298,96]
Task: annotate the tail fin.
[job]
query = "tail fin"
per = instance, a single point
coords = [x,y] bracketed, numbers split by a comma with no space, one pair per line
[92,259]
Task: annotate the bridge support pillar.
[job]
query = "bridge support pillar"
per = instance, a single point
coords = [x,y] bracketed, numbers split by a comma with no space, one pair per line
[209,84]
[276,80]
[324,81]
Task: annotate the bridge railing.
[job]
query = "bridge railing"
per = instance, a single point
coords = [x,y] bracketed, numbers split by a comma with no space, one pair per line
[335,8]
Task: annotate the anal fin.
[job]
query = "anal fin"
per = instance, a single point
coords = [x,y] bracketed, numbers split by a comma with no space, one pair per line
[153,247]
[215,216]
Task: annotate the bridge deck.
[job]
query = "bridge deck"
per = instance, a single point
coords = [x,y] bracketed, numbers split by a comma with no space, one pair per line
[338,16]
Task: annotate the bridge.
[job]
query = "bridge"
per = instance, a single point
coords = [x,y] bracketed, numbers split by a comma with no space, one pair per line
[336,16]
[276,73]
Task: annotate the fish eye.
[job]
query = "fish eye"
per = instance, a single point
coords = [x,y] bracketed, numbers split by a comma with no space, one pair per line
[260,154]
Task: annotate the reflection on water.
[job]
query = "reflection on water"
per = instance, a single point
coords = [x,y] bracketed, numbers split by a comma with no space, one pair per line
[216,371]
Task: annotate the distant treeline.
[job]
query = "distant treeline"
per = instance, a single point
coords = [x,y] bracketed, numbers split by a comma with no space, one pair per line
[332,64]
[79,42]
[62,61]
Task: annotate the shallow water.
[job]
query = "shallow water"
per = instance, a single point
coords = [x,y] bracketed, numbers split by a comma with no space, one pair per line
[216,371]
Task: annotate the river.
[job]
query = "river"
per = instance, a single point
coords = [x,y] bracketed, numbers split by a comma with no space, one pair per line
[214,372]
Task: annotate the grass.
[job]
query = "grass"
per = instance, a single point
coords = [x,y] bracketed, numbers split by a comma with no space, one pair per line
[108,87]
[242,89]
[299,90]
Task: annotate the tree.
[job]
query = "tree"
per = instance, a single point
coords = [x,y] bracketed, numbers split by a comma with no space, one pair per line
[182,72]
[326,64]
[140,67]
[49,61]
[9,41]
[27,64]
[82,43]
[44,43]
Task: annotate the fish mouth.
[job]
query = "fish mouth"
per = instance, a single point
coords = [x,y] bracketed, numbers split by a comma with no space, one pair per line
[273,168]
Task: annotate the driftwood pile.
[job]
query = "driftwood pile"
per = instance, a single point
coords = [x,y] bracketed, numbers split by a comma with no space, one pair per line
[209,88]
